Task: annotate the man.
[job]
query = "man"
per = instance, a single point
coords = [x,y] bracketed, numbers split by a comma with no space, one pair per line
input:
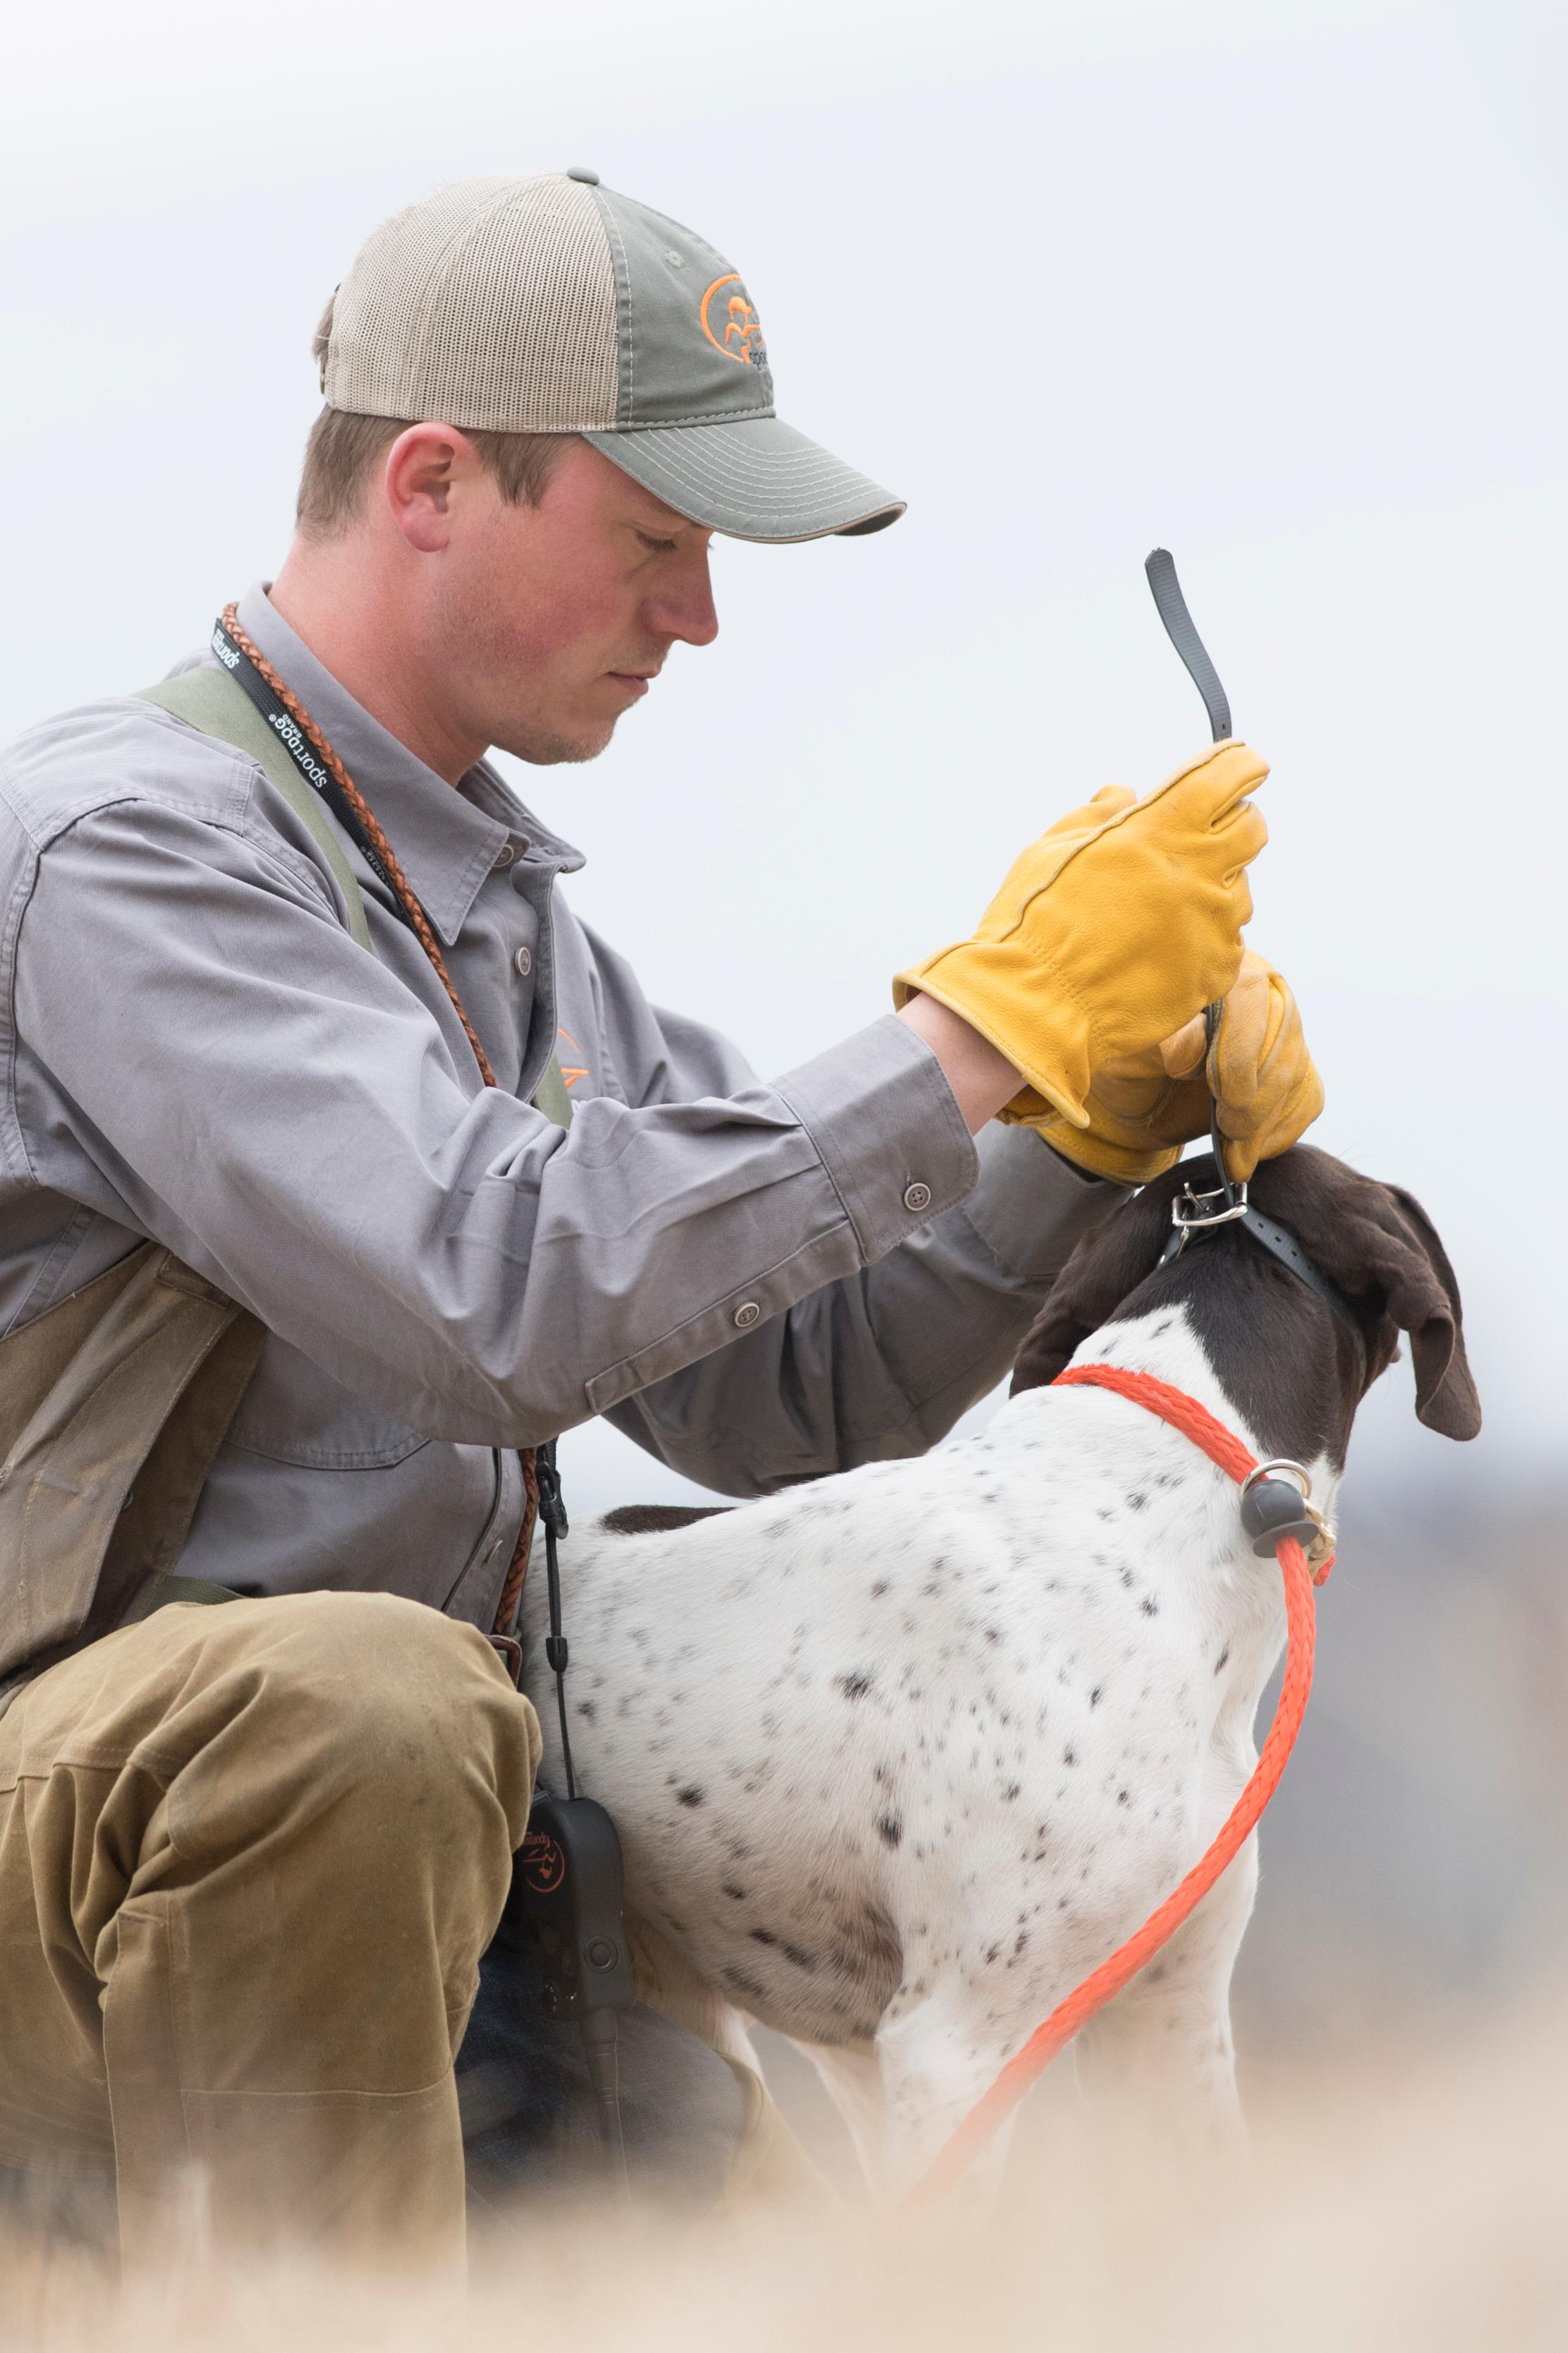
[343,1166]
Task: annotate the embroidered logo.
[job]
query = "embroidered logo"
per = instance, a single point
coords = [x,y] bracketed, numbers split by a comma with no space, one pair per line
[731,324]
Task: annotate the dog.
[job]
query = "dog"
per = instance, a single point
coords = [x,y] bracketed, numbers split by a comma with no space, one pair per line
[898,1758]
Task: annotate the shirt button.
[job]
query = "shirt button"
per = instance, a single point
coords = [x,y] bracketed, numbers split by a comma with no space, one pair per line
[505,854]
[917,1197]
[746,1315]
[524,962]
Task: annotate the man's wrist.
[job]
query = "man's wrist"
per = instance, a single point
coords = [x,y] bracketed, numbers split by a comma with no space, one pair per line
[982,1079]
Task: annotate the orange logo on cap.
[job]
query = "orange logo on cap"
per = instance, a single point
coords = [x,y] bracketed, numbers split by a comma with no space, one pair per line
[732,326]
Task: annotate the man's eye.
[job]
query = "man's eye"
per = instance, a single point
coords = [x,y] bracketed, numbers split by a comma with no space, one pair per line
[659,546]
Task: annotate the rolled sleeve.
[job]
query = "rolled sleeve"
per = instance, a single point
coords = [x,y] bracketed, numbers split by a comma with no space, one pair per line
[1031,1206]
[887,1131]
[875,1112]
[881,1362]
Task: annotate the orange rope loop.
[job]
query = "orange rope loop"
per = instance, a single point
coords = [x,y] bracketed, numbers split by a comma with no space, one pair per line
[1024,2069]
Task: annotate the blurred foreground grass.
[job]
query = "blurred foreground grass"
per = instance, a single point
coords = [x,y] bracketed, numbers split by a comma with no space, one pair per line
[1403,2041]
[1411,2200]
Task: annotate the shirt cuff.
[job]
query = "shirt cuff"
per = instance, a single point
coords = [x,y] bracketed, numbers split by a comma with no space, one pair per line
[887,1129]
[1031,1206]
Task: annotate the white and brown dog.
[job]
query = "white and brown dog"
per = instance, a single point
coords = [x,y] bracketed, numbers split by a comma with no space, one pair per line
[897,1758]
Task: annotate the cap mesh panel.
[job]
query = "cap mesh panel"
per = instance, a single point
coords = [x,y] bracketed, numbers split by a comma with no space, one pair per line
[490,305]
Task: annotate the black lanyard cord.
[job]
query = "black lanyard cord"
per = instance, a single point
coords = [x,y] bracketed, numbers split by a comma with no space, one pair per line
[297,744]
[552,1513]
[325,774]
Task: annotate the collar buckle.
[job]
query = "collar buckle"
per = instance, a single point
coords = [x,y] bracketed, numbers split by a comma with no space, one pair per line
[1195,1213]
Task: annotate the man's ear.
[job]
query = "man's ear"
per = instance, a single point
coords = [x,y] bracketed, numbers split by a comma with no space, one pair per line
[417,482]
[1107,1267]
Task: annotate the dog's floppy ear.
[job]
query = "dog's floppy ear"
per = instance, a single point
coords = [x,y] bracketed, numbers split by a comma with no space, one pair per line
[1105,1268]
[1380,1247]
[1423,1299]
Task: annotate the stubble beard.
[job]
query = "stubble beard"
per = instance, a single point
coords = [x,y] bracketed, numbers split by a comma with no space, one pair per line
[544,747]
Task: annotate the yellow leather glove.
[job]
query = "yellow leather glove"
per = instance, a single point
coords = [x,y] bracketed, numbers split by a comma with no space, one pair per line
[1143,1107]
[1112,931]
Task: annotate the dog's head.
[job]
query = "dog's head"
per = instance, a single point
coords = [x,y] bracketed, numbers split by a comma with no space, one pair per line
[1281,1351]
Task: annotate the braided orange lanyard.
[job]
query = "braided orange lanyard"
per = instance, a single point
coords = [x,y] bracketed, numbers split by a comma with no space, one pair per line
[365,816]
[517,1569]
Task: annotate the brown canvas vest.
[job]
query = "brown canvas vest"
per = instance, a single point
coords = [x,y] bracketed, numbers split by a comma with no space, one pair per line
[114,1402]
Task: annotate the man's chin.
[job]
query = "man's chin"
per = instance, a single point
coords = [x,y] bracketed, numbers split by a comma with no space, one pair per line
[546,747]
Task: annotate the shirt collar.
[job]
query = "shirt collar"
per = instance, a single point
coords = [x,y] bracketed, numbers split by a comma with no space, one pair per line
[446,838]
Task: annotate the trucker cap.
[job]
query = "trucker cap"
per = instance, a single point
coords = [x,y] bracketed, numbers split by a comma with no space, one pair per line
[548,305]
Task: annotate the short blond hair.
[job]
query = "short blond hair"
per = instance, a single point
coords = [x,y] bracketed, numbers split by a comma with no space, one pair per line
[344,449]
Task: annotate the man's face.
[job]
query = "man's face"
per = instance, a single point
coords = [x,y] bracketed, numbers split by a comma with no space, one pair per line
[551,620]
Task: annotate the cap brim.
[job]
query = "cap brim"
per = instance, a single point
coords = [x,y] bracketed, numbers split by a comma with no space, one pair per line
[751,478]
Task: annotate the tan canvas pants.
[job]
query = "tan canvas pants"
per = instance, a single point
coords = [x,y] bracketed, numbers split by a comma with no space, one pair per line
[249,1857]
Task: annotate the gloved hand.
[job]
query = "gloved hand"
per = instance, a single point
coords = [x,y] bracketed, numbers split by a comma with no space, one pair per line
[1112,931]
[1143,1107]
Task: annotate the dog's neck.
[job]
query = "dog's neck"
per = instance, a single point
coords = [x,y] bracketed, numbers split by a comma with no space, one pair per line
[1243,1334]
[1164,1340]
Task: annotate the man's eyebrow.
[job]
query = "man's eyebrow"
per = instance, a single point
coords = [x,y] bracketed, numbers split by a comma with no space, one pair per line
[664,524]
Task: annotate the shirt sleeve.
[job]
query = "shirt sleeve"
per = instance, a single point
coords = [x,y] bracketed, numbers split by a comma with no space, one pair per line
[881,1362]
[200,1051]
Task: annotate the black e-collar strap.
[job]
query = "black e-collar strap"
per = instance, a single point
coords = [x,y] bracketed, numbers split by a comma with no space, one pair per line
[1193,1215]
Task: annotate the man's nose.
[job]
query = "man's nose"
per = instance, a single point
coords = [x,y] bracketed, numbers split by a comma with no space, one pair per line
[682,606]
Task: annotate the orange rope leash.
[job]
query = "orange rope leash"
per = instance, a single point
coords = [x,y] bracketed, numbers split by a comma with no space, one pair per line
[1024,2069]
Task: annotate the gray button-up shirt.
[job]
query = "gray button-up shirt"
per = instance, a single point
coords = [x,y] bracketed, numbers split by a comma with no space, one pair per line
[759,1283]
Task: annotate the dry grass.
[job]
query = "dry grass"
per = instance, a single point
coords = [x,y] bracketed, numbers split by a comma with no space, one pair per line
[1412,2201]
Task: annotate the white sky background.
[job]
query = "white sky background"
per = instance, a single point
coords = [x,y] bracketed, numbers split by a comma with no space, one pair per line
[1278,285]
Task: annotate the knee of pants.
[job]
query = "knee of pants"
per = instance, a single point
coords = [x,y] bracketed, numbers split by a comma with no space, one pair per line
[358,1702]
